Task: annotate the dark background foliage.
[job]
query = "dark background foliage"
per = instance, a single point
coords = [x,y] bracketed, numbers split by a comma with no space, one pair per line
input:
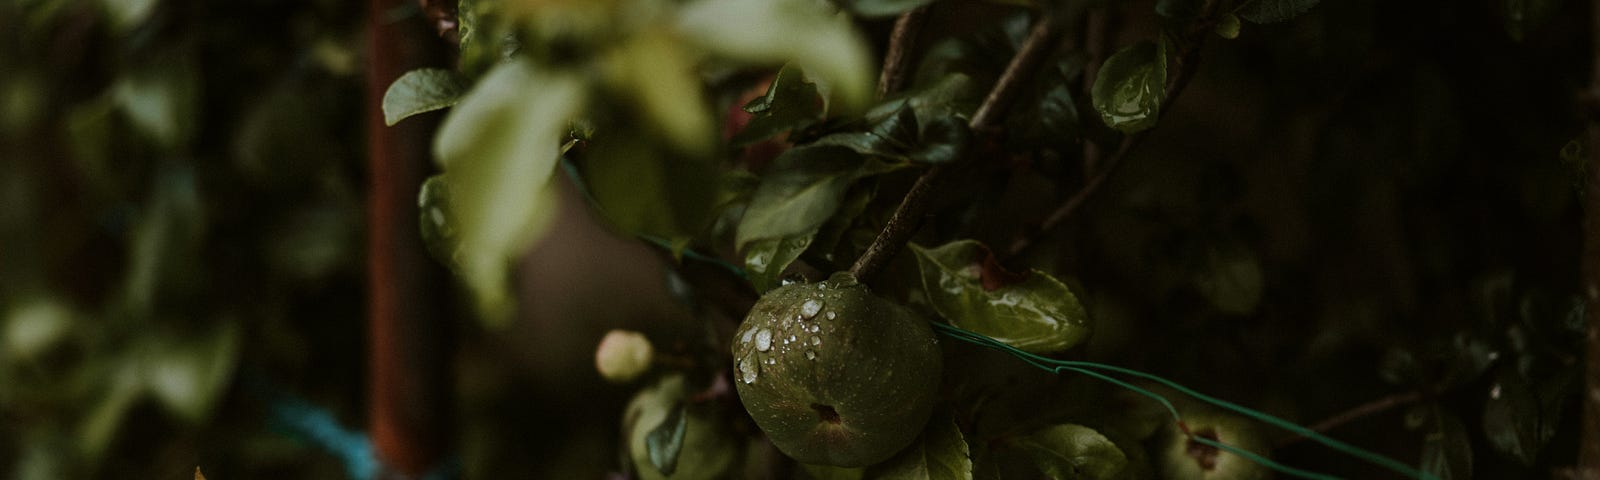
[1378,199]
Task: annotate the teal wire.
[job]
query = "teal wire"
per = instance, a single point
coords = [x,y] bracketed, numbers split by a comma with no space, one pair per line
[1057,366]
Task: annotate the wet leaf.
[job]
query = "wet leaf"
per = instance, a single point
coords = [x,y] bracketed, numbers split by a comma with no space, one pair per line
[1446,451]
[766,259]
[881,8]
[1131,86]
[665,442]
[1273,11]
[803,188]
[1032,312]
[498,147]
[419,91]
[939,454]
[791,103]
[1073,451]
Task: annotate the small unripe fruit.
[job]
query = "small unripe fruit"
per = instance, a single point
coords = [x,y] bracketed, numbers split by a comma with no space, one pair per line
[623,356]
[1186,459]
[834,374]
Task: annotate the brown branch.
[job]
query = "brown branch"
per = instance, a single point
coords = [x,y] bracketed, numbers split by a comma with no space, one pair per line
[1589,444]
[409,328]
[908,216]
[902,40]
[1187,64]
[1360,411]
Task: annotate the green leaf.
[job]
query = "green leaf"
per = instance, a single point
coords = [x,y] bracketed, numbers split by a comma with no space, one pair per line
[1231,278]
[791,103]
[498,147]
[799,193]
[939,454]
[1131,86]
[1512,418]
[1032,312]
[1073,451]
[1446,451]
[1273,11]
[421,90]
[1228,26]
[646,189]
[766,259]
[805,32]
[665,441]
[943,140]
[881,8]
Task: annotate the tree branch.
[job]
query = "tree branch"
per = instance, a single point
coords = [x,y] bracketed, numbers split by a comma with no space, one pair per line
[1360,411]
[902,40]
[1589,444]
[903,223]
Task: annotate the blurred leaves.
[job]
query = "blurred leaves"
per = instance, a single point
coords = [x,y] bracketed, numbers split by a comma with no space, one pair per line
[498,148]
[881,8]
[1230,277]
[1512,418]
[421,90]
[1130,87]
[803,32]
[671,439]
[161,97]
[1030,311]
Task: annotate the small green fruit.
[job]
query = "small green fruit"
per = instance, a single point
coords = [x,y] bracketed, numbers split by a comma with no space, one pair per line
[834,374]
[1186,459]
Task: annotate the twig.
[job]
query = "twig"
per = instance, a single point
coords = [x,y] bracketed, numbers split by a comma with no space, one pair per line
[1187,64]
[903,223]
[1095,33]
[1589,444]
[902,40]
[1360,411]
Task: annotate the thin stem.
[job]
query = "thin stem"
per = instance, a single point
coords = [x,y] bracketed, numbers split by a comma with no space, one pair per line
[907,217]
[1187,64]
[1360,411]
[902,40]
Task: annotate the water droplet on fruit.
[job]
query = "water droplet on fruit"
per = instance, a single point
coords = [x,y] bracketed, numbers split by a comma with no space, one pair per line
[811,355]
[791,339]
[810,308]
[748,334]
[832,315]
[764,340]
[748,370]
[772,361]
[816,341]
